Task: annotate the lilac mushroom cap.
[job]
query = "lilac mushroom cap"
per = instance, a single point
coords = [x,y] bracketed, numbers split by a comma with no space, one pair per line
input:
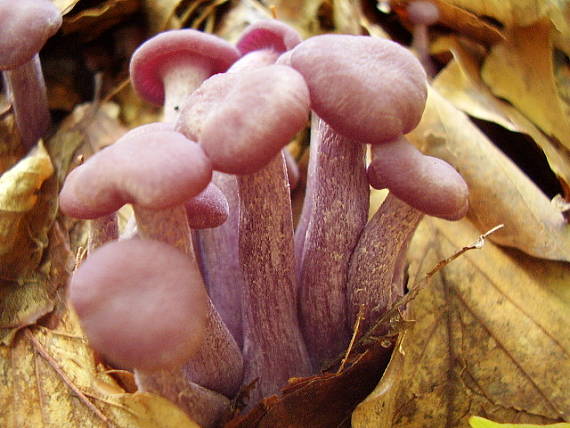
[268,34]
[170,66]
[208,209]
[422,12]
[426,183]
[25,26]
[151,166]
[141,304]
[367,89]
[243,119]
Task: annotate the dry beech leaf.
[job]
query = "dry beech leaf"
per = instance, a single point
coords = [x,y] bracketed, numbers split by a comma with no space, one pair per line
[512,12]
[92,22]
[161,14]
[477,422]
[461,19]
[461,84]
[499,193]
[521,71]
[489,338]
[26,212]
[53,380]
[65,6]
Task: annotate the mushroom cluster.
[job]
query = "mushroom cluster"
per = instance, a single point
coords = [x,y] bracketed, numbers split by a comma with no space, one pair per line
[238,297]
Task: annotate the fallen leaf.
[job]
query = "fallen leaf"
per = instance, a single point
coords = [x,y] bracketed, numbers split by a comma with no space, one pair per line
[461,84]
[499,193]
[489,338]
[65,6]
[161,14]
[521,71]
[26,213]
[477,422]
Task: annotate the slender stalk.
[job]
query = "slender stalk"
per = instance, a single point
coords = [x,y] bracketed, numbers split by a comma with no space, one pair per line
[219,364]
[337,207]
[273,347]
[28,94]
[375,278]
[220,260]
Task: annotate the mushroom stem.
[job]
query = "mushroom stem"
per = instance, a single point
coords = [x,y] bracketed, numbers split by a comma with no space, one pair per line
[220,257]
[273,347]
[218,365]
[337,207]
[204,406]
[179,82]
[102,230]
[375,277]
[27,90]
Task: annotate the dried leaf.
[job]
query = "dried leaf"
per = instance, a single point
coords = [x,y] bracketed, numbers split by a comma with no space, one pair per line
[521,71]
[461,84]
[160,14]
[477,422]
[489,338]
[65,6]
[499,193]
[25,214]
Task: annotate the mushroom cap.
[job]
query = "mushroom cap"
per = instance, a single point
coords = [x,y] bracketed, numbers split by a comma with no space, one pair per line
[141,304]
[175,46]
[426,183]
[25,26]
[268,34]
[422,12]
[243,119]
[207,209]
[368,89]
[151,166]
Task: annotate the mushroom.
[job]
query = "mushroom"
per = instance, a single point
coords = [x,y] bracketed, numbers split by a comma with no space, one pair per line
[170,66]
[358,108]
[142,305]
[418,185]
[262,106]
[148,167]
[422,14]
[25,26]
[207,209]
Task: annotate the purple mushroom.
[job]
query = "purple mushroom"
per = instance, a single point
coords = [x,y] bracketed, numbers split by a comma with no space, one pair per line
[25,26]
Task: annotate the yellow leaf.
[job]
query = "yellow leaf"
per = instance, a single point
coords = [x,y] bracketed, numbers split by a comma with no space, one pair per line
[51,379]
[499,193]
[489,338]
[461,84]
[477,422]
[26,214]
[521,71]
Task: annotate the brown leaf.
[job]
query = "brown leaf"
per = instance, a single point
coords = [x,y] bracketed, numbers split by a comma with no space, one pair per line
[461,84]
[499,193]
[521,71]
[26,213]
[490,338]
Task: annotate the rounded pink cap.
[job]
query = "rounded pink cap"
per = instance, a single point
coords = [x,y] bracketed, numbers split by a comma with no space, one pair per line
[422,12]
[174,47]
[208,209]
[268,34]
[243,119]
[426,183]
[25,26]
[151,166]
[367,89]
[141,304]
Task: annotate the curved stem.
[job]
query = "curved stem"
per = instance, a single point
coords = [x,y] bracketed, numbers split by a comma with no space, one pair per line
[375,278]
[273,347]
[337,209]
[219,364]
[27,90]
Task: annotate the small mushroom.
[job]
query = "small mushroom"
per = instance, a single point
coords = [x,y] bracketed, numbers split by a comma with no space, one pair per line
[207,209]
[142,305]
[149,168]
[25,26]
[170,66]
[422,13]
[352,107]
